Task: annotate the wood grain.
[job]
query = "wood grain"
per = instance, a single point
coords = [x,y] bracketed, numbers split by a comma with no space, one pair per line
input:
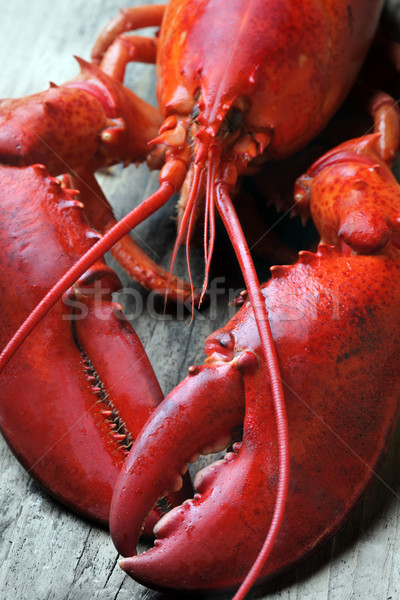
[46,553]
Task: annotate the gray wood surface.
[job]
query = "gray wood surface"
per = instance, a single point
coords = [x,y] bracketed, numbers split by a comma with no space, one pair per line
[46,553]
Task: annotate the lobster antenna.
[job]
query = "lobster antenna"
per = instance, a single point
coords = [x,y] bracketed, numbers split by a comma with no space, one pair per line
[131,220]
[235,232]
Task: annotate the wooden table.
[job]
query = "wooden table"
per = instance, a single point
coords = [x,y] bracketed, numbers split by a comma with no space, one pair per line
[46,553]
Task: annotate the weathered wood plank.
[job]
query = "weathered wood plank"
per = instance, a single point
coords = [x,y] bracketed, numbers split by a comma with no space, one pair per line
[45,551]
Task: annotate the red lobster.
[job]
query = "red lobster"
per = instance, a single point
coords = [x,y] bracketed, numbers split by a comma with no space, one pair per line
[226,138]
[82,387]
[336,336]
[88,123]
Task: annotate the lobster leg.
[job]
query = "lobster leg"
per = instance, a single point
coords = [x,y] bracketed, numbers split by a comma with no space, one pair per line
[126,49]
[128,19]
[126,251]
[385,112]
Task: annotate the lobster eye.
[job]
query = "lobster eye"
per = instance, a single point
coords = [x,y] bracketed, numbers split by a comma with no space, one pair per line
[221,344]
[235,120]
[226,340]
[232,122]
[195,113]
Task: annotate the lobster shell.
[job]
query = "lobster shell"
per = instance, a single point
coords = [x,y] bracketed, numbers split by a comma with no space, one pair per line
[287,84]
[371,566]
[83,366]
[336,338]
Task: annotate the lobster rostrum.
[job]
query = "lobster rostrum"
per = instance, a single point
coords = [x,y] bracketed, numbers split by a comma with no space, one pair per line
[334,319]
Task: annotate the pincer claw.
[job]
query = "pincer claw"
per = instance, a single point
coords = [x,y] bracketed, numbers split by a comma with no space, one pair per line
[342,403]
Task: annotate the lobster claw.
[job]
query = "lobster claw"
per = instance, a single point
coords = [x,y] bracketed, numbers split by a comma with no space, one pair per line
[81,387]
[173,427]
[234,490]
[337,344]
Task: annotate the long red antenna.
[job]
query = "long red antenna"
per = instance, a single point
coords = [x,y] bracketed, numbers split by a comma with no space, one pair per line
[235,232]
[132,219]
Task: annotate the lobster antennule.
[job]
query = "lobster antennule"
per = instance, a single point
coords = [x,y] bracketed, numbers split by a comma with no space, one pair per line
[209,217]
[186,224]
[188,220]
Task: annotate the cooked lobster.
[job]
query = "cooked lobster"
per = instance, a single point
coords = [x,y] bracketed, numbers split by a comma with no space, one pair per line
[82,387]
[90,122]
[336,338]
[243,152]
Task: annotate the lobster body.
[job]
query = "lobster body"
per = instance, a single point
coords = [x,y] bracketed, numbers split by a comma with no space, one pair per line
[284,67]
